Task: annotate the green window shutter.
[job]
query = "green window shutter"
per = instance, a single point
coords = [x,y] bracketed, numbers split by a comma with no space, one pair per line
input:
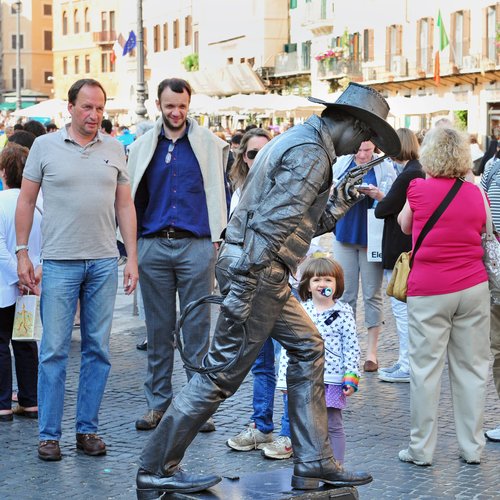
[293,4]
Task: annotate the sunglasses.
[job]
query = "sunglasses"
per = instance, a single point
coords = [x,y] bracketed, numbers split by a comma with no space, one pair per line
[168,158]
[252,154]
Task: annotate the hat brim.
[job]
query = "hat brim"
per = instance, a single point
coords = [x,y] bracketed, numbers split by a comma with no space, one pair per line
[383,135]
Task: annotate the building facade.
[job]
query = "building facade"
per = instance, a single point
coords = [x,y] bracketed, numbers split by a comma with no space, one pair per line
[299,47]
[426,57]
[35,39]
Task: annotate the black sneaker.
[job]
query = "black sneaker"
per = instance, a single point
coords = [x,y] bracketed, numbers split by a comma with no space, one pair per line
[143,346]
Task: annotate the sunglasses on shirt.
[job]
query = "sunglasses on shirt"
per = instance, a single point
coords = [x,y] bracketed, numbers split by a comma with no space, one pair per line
[168,158]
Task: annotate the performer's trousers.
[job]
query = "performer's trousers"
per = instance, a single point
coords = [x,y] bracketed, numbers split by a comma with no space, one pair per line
[276,313]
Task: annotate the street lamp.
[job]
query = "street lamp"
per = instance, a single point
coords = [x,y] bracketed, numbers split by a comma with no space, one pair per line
[141,87]
[18,54]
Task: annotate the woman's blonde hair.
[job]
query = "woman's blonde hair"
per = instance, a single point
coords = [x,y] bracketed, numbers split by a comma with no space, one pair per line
[445,153]
[239,170]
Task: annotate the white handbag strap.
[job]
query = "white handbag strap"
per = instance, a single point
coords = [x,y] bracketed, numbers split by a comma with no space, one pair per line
[489,221]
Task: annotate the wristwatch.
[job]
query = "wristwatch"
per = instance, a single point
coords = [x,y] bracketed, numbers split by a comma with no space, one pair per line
[21,247]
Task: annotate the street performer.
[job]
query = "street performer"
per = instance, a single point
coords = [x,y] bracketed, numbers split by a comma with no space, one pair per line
[285,202]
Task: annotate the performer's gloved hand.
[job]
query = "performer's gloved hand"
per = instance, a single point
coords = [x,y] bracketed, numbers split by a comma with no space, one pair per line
[237,305]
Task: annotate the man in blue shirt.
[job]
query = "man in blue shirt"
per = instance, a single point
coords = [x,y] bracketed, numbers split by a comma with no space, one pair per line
[178,184]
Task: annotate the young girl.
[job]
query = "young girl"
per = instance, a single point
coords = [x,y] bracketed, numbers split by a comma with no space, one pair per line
[321,284]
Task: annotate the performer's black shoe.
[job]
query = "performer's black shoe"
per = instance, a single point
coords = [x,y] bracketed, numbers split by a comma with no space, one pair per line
[151,486]
[309,475]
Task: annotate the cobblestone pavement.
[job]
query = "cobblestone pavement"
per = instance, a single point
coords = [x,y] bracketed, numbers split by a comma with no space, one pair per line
[376,421]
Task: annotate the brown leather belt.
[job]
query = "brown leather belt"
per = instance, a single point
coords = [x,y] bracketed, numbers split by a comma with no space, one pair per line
[170,234]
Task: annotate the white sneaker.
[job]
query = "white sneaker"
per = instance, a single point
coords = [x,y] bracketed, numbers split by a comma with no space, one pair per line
[493,435]
[250,439]
[279,449]
[391,369]
[404,456]
[397,376]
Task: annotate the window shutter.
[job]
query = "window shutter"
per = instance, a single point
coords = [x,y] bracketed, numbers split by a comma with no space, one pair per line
[371,44]
[453,40]
[430,46]
[388,48]
[399,40]
[466,41]
[419,46]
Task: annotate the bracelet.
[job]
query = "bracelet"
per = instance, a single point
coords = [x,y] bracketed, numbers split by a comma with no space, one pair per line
[21,247]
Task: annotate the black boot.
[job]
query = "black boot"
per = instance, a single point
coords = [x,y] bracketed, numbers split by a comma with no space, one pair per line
[309,475]
[150,486]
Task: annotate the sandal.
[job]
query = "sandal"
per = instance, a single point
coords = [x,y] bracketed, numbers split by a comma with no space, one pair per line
[20,411]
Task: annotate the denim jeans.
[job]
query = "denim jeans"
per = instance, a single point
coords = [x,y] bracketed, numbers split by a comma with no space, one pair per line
[400,313]
[264,385]
[94,282]
[285,421]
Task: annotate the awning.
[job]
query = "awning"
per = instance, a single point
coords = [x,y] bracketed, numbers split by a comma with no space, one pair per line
[11,106]
[227,80]
[424,105]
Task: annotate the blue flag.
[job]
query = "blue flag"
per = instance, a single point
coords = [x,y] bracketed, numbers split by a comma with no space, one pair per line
[130,44]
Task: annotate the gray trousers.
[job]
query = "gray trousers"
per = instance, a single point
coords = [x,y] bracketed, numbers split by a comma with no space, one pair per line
[276,313]
[167,267]
[354,262]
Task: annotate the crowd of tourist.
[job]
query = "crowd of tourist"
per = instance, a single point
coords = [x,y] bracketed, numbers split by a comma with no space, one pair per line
[170,188]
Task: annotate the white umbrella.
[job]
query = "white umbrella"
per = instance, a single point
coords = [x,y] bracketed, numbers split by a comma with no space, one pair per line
[202,104]
[51,108]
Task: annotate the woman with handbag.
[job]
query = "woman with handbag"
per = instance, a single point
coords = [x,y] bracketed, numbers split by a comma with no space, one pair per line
[394,241]
[12,160]
[448,297]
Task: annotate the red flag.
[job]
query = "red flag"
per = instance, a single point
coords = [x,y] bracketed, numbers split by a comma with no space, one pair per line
[437,69]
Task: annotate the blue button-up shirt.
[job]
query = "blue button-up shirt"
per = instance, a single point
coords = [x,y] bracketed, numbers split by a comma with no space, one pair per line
[175,193]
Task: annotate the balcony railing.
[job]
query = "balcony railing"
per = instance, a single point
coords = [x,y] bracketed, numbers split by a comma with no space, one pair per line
[104,36]
[336,67]
[290,63]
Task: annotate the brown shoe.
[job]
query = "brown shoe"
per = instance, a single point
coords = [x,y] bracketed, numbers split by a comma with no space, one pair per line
[91,444]
[370,366]
[149,421]
[49,450]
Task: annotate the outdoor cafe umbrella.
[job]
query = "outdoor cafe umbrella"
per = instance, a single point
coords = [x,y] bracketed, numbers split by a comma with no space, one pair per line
[51,108]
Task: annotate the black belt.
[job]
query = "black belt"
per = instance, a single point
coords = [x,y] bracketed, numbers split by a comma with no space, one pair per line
[170,234]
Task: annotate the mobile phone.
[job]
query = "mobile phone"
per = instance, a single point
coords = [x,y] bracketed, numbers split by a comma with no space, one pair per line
[363,185]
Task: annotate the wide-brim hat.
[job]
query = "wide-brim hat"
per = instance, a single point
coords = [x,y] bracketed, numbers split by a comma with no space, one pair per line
[369,106]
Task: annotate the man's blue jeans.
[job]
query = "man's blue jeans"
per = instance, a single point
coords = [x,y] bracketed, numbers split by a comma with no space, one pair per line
[94,282]
[264,385]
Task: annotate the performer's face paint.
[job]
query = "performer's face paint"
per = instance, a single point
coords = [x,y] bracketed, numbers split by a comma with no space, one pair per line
[352,134]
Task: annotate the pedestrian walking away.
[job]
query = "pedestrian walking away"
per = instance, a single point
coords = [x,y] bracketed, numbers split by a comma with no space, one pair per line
[86,189]
[284,202]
